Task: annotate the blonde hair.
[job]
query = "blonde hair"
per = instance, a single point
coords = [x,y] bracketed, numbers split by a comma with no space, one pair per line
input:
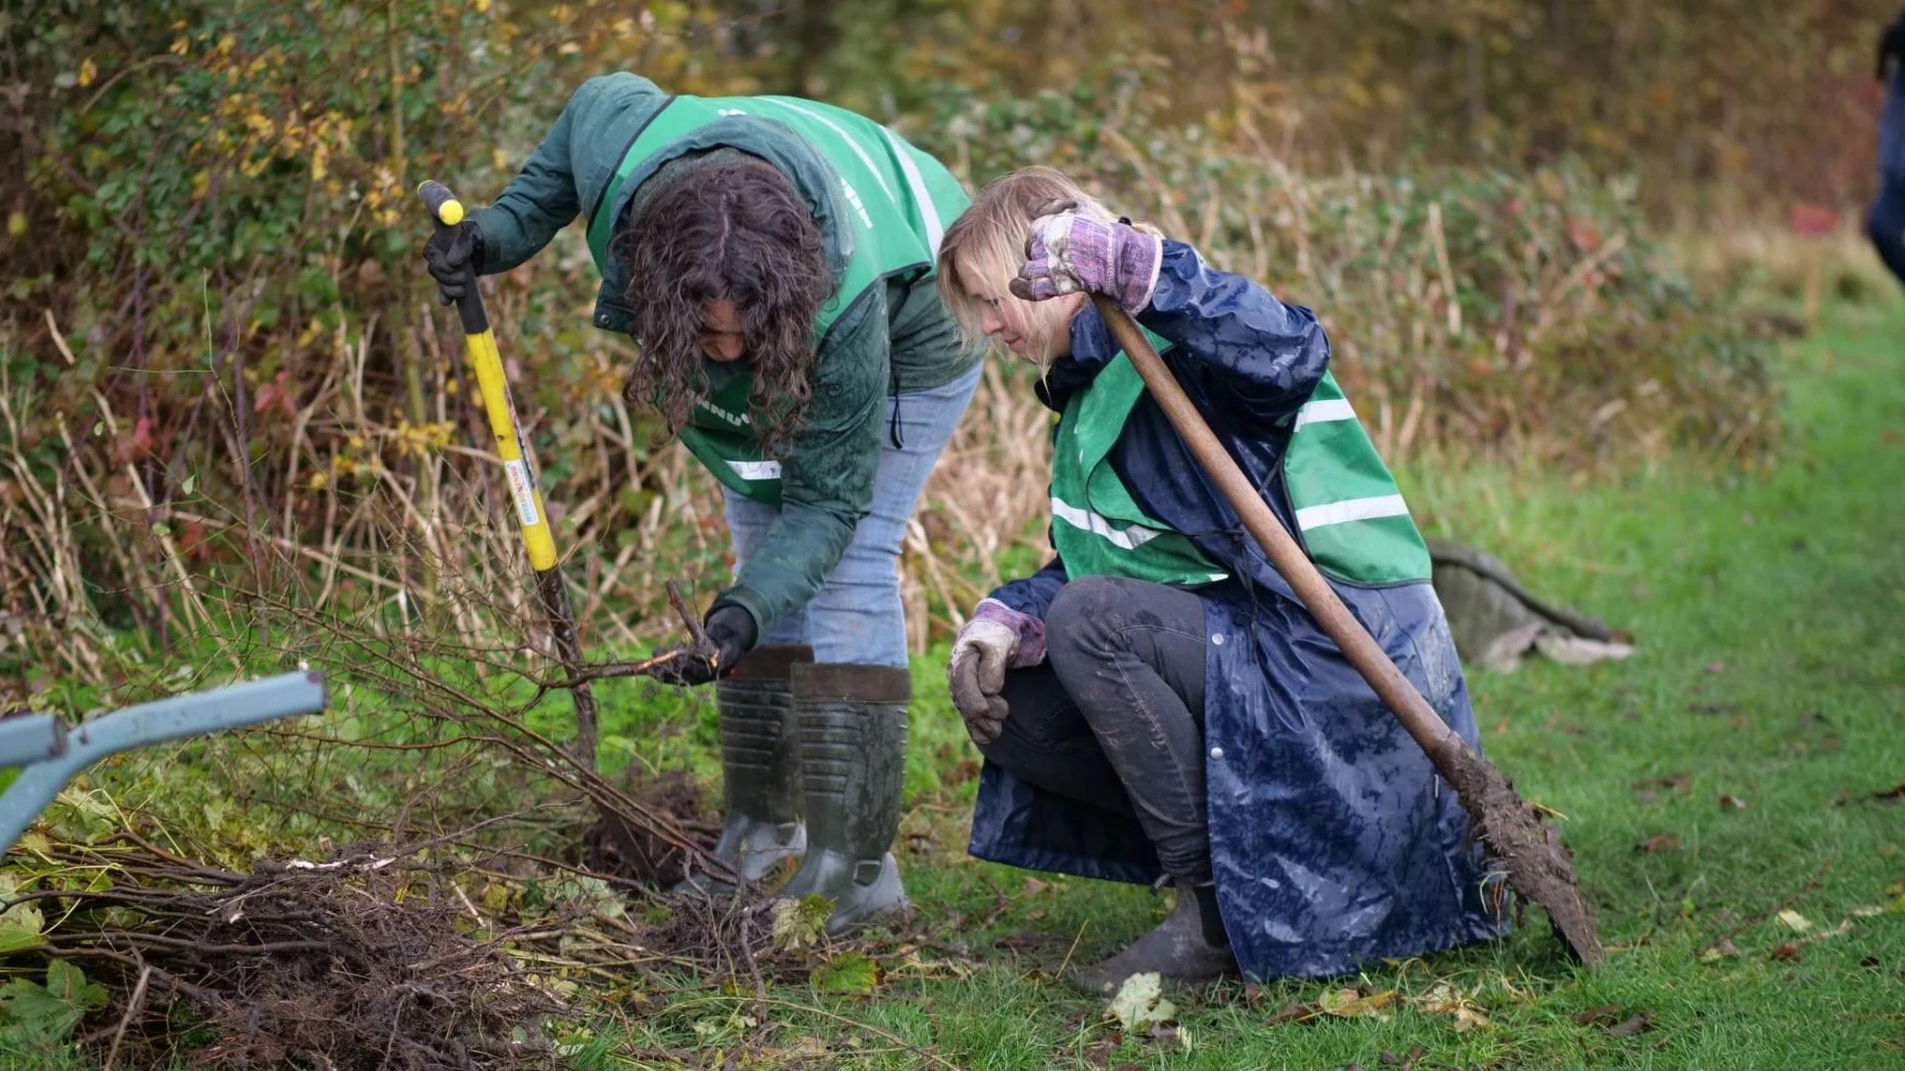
[988,242]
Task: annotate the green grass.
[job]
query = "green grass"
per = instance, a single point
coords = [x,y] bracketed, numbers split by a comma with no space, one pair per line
[1769,613]
[1767,609]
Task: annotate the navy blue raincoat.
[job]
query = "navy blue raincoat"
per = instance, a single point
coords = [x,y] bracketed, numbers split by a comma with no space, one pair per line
[1333,841]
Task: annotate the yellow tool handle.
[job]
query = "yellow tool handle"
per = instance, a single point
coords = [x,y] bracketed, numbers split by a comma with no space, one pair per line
[519,464]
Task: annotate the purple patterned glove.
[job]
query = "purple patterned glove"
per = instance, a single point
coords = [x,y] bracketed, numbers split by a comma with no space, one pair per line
[1068,253]
[1030,630]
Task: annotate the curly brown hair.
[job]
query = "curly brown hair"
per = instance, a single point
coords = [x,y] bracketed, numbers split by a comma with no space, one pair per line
[730,231]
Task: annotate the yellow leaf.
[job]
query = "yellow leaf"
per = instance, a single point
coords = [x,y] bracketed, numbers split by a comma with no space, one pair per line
[1467,1019]
[87,71]
[1795,921]
[1348,1003]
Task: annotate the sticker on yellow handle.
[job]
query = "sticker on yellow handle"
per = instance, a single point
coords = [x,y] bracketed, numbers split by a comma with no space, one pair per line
[523,491]
[514,451]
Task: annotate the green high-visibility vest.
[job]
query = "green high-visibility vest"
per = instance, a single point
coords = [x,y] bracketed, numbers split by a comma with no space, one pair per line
[895,200]
[1350,517]
[1097,527]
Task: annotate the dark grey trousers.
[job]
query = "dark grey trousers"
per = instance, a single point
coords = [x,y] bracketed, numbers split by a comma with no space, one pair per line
[1114,715]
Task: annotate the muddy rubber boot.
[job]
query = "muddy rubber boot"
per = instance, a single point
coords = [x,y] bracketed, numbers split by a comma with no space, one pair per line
[852,729]
[1187,949]
[759,767]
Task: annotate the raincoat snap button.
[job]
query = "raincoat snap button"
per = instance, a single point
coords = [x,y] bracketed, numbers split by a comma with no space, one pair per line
[1216,753]
[603,319]
[1217,640]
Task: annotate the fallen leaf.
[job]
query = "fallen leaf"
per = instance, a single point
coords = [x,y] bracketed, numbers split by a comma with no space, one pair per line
[1716,666]
[1728,799]
[806,1048]
[801,922]
[1467,1018]
[1679,783]
[1721,949]
[1597,1014]
[1893,794]
[1787,950]
[1350,1003]
[1638,1023]
[1295,1013]
[1140,1002]
[1659,842]
[1444,999]
[1795,921]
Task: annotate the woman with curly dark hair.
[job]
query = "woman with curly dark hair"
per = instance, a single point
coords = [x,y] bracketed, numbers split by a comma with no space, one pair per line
[774,260]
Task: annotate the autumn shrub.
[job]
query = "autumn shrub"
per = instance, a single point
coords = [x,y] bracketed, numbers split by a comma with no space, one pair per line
[1527,312]
[225,370]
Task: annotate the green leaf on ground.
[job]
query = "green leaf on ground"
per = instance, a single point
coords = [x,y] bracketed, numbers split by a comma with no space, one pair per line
[21,925]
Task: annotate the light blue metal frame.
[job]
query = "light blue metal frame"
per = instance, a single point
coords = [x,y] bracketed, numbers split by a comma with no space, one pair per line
[52,752]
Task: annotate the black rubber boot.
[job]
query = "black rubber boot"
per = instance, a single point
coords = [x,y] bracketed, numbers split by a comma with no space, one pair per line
[1187,949]
[852,729]
[759,766]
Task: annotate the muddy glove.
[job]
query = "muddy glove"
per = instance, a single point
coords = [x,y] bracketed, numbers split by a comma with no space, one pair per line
[1068,253]
[455,258]
[731,629]
[996,639]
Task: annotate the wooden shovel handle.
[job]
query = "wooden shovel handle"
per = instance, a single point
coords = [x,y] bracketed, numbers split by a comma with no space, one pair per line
[1395,690]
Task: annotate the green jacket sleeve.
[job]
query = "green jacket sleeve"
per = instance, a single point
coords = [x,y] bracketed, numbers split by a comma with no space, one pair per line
[570,170]
[827,475]
[537,203]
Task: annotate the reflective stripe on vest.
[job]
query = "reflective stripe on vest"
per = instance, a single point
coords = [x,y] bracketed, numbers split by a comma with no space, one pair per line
[1349,515]
[892,198]
[1097,527]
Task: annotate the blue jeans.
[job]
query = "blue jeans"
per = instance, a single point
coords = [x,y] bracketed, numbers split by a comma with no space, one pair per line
[856,615]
